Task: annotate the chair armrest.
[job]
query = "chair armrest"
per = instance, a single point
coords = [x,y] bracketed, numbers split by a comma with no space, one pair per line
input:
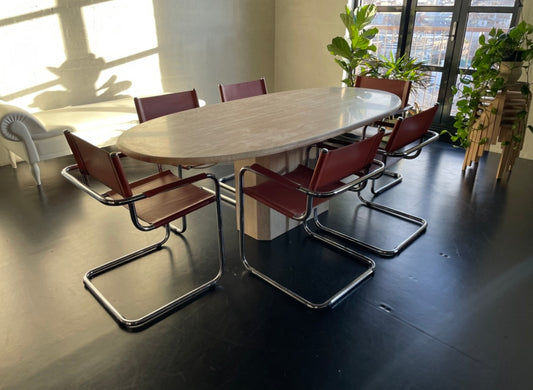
[179,183]
[258,169]
[102,198]
[105,199]
[376,169]
[433,136]
[384,124]
[405,109]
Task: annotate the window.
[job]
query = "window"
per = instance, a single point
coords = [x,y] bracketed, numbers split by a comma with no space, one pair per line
[442,33]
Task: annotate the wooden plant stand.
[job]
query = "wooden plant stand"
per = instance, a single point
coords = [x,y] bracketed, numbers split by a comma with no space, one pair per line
[497,121]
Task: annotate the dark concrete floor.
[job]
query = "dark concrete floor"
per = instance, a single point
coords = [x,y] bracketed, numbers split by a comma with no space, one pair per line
[452,311]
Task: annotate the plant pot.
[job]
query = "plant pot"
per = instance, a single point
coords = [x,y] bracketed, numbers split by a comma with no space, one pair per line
[511,71]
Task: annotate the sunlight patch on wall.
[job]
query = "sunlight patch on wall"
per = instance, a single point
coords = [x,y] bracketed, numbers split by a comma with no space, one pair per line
[26,55]
[144,74]
[120,29]
[21,7]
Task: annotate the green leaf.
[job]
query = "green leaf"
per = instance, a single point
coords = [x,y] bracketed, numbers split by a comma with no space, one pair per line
[343,65]
[340,47]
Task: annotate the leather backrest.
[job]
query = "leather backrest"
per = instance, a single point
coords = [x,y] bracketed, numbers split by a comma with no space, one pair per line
[99,164]
[337,164]
[410,129]
[152,107]
[400,88]
[246,89]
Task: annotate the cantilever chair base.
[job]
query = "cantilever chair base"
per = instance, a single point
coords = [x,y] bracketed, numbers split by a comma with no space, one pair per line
[153,202]
[397,180]
[140,323]
[330,302]
[297,194]
[336,297]
[420,222]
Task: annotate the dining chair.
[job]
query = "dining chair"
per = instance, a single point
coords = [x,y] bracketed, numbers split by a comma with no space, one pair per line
[406,141]
[297,194]
[409,135]
[153,202]
[242,90]
[152,107]
[229,92]
[401,88]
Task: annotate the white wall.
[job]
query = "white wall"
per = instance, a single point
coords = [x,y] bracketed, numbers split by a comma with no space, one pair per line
[303,30]
[69,52]
[64,52]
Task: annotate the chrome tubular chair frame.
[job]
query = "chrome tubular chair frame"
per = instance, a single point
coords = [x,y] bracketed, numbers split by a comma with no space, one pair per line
[408,154]
[422,226]
[405,141]
[305,218]
[145,320]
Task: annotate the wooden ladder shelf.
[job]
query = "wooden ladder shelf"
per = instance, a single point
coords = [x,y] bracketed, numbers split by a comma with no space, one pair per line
[496,123]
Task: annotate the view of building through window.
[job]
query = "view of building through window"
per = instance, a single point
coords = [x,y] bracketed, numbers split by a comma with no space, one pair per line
[442,33]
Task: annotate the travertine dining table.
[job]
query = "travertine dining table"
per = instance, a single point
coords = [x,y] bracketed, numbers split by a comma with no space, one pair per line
[272,130]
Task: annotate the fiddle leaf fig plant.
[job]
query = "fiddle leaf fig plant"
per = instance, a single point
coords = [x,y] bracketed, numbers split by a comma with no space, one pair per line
[356,54]
[354,50]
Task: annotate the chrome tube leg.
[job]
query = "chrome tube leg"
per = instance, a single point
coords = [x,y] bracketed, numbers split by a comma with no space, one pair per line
[335,298]
[175,229]
[227,187]
[179,230]
[112,265]
[397,180]
[142,322]
[421,222]
[220,234]
[422,225]
[223,197]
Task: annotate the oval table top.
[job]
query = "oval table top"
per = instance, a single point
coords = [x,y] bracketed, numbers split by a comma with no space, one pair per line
[253,127]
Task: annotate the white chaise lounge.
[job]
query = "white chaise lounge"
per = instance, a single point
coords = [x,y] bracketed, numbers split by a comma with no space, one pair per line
[39,136]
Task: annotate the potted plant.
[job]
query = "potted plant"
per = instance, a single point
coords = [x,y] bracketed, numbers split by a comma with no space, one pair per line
[398,68]
[356,54]
[354,50]
[497,63]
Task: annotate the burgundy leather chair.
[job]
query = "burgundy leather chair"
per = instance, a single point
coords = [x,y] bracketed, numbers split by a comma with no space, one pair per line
[298,193]
[401,88]
[409,135]
[151,107]
[242,90]
[153,202]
